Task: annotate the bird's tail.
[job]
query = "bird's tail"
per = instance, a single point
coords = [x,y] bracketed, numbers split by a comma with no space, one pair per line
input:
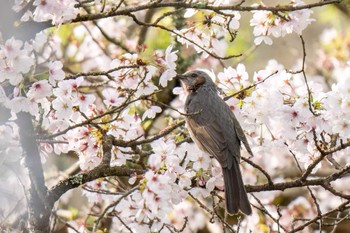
[236,196]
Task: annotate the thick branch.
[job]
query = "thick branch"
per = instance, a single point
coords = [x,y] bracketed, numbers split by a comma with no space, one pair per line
[298,183]
[39,210]
[154,5]
[75,181]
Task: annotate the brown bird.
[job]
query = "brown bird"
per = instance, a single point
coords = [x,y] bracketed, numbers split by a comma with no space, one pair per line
[215,129]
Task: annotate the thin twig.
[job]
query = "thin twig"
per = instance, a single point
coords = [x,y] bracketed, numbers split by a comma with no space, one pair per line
[179,35]
[100,73]
[265,211]
[250,86]
[340,208]
[115,203]
[203,206]
[302,70]
[268,177]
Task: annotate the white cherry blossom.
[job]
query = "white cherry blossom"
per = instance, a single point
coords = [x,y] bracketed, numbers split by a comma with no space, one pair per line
[151,112]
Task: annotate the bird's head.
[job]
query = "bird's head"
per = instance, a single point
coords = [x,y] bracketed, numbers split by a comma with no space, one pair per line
[193,80]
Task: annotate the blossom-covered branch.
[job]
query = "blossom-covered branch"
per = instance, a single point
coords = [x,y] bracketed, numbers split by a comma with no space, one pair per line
[99,92]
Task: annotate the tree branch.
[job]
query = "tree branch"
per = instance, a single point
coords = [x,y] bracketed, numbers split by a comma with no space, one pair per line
[39,208]
[198,6]
[75,181]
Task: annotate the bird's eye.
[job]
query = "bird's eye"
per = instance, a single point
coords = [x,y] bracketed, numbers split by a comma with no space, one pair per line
[194,75]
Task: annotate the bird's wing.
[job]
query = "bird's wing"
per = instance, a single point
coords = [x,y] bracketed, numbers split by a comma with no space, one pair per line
[213,130]
[212,141]
[240,134]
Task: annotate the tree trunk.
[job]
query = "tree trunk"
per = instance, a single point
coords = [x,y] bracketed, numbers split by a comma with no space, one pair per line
[39,209]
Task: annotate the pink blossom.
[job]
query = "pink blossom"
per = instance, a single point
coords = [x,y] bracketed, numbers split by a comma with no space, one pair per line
[231,79]
[166,76]
[11,49]
[151,112]
[342,127]
[14,61]
[40,90]
[83,101]
[185,179]
[8,72]
[55,72]
[63,106]
[266,23]
[267,40]
[234,21]
[163,147]
[75,83]
[200,159]
[120,158]
[169,62]
[57,11]
[111,97]
[23,104]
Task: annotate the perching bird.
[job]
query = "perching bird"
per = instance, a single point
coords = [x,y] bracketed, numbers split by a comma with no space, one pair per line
[214,128]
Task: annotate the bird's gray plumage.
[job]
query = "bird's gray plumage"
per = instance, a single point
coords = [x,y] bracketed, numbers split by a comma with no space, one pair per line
[215,129]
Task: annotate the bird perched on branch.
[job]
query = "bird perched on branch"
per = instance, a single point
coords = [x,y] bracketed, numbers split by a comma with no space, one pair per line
[215,130]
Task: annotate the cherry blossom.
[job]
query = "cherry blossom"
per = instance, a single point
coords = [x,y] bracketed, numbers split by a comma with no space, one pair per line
[231,79]
[200,159]
[267,23]
[55,72]
[57,11]
[127,126]
[39,90]
[3,97]
[11,49]
[151,112]
[169,63]
[83,101]
[63,106]
[63,89]
[216,179]
[209,32]
[23,104]
[120,157]
[15,61]
[234,21]
[111,97]
[102,82]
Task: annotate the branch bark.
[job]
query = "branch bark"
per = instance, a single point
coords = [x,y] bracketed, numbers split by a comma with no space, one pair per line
[39,208]
[79,179]
[198,6]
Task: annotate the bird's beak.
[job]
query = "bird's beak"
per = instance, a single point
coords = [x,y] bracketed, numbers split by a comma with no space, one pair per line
[180,76]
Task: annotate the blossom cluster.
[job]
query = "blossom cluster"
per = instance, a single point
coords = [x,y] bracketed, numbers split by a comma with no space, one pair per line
[207,30]
[110,92]
[131,79]
[285,127]
[57,11]
[289,120]
[61,103]
[173,169]
[15,61]
[267,23]
[161,200]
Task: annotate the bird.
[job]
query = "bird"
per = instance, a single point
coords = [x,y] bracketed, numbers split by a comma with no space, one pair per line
[215,129]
